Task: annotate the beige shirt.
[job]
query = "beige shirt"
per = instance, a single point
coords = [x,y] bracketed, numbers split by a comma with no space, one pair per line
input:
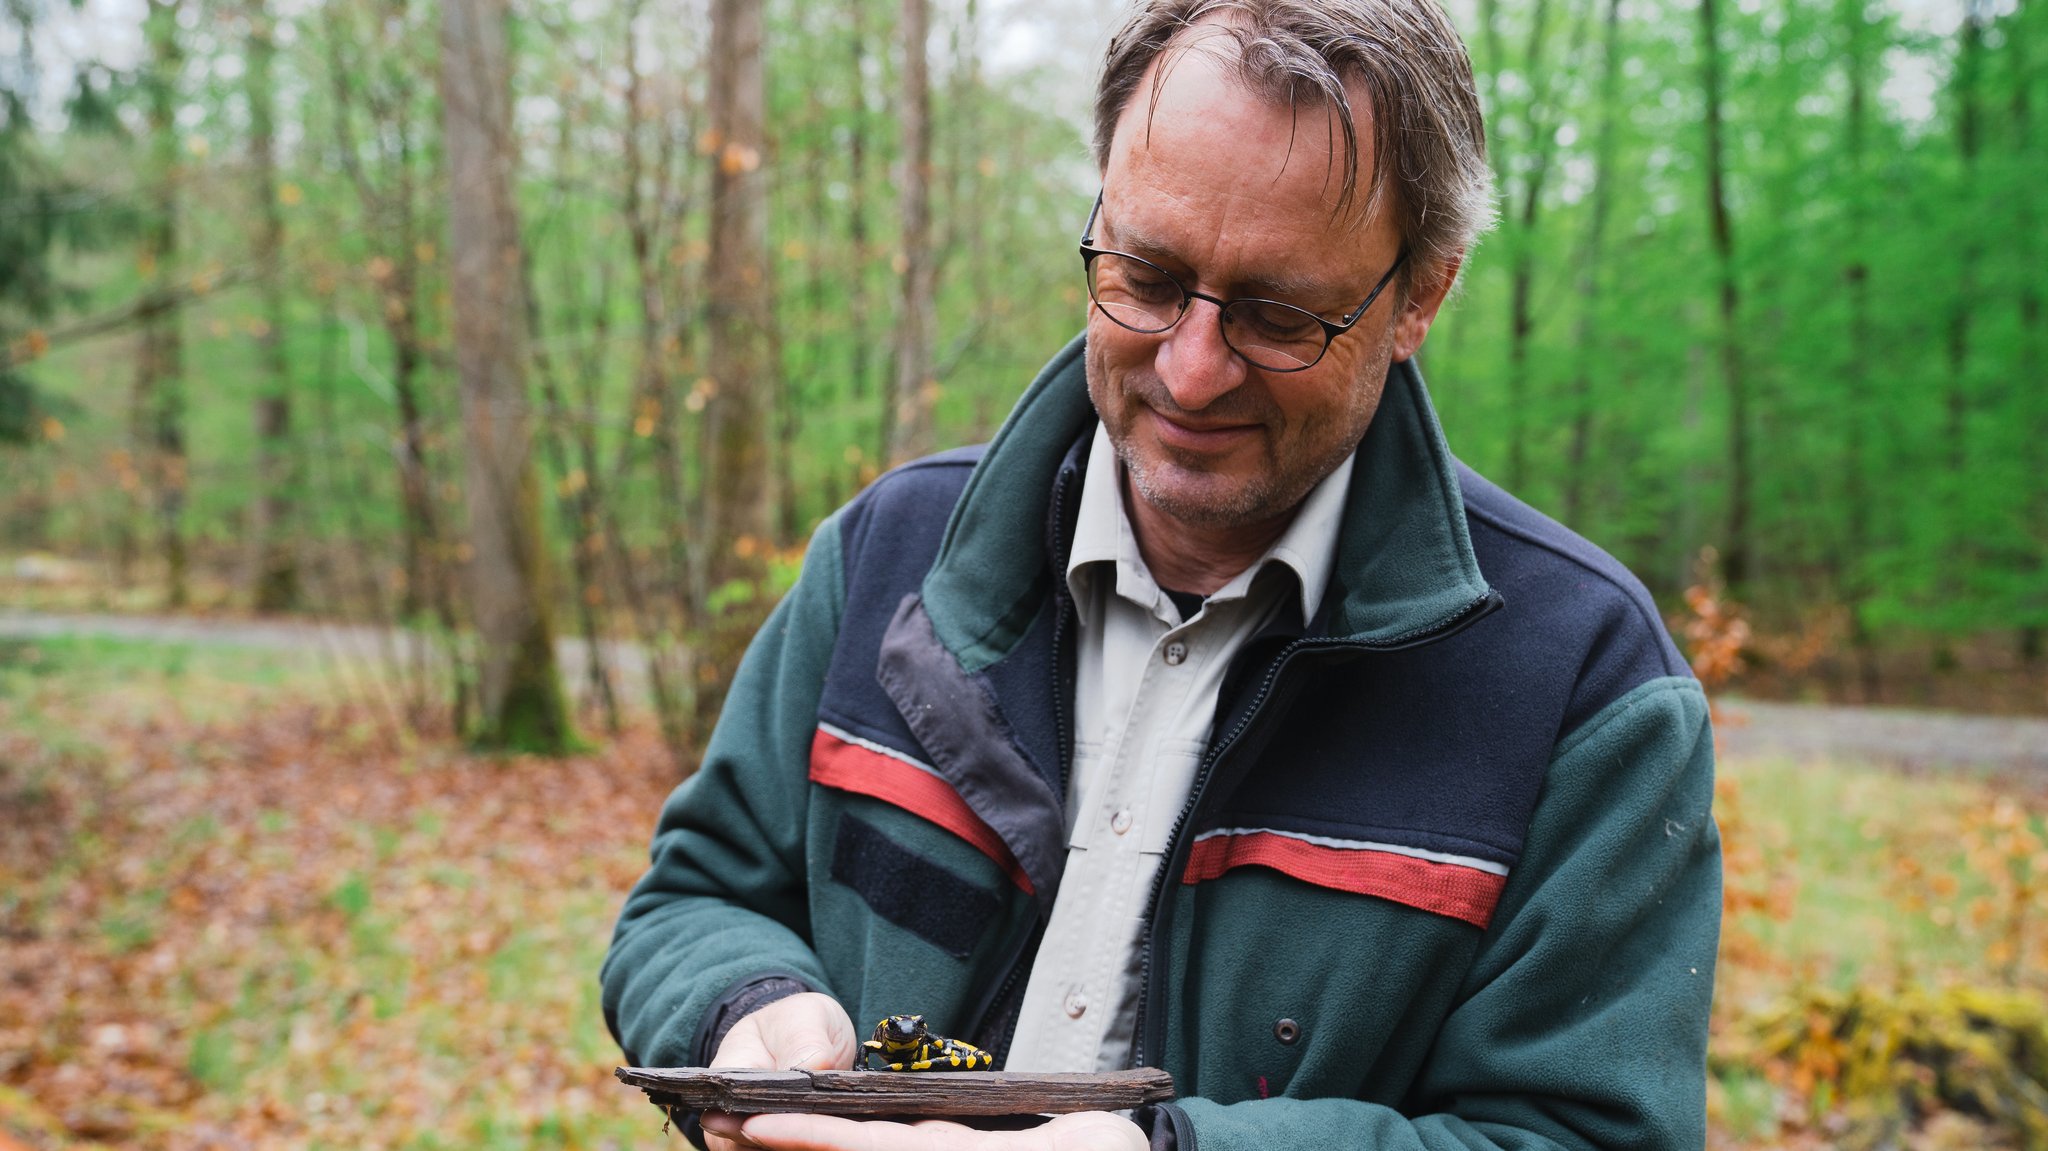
[1145,691]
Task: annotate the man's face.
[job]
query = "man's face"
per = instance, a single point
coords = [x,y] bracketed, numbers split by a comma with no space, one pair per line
[1236,196]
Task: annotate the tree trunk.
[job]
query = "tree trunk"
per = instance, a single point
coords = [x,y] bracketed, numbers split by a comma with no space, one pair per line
[857,209]
[1960,540]
[2034,636]
[395,271]
[1855,563]
[159,400]
[739,517]
[655,418]
[914,393]
[520,704]
[275,565]
[1736,552]
[578,493]
[1521,317]
[1969,77]
[1589,270]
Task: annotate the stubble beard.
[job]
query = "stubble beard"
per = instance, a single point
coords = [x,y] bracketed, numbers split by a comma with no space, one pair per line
[1209,504]
[1182,486]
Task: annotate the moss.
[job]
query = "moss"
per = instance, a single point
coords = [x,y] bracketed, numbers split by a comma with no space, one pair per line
[533,716]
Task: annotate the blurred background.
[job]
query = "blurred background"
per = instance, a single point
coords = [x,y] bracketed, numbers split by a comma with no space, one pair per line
[408,409]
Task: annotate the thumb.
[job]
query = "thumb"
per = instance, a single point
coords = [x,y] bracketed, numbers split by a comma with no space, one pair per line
[808,1032]
[744,1046]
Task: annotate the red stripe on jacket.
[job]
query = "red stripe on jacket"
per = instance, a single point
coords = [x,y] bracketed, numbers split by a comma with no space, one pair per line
[835,763]
[1445,888]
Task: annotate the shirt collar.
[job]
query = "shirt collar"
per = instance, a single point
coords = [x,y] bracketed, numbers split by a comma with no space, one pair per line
[1103,536]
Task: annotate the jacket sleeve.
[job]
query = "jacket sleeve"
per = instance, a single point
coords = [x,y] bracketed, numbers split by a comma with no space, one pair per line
[1583,1023]
[722,910]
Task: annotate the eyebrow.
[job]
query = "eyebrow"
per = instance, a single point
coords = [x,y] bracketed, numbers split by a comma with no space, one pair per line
[1274,285]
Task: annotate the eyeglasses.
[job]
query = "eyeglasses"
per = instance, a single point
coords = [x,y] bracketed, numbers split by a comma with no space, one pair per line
[1137,294]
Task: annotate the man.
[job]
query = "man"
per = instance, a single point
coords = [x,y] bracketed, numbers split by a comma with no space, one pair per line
[1214,718]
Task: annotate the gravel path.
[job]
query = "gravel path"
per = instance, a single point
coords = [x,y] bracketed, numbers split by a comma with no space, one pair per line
[1913,740]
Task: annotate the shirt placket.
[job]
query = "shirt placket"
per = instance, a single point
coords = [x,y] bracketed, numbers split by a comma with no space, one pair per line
[1115,834]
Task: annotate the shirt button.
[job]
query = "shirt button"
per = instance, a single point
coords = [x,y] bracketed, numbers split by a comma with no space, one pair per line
[1121,821]
[1076,1004]
[1176,652]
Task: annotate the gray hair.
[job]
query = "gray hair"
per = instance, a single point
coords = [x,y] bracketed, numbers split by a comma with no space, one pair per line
[1429,139]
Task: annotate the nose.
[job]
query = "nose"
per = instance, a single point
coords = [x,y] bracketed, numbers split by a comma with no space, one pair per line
[1193,360]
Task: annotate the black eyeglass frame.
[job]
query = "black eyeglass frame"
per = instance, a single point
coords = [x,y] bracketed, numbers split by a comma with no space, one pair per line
[1188,296]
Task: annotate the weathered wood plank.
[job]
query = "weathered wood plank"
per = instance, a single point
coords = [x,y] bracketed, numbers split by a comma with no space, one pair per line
[958,1093]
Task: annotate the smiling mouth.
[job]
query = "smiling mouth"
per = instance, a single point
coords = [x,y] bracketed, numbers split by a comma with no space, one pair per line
[1182,432]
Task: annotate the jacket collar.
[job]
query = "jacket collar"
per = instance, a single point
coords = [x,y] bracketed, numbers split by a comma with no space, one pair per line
[1404,556]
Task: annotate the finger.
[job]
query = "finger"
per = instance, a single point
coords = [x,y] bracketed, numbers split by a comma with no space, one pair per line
[1087,1131]
[1083,1131]
[722,1132]
[744,1047]
[810,1032]
[831,1133]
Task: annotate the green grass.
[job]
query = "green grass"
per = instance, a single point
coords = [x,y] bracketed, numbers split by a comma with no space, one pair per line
[130,679]
[1837,832]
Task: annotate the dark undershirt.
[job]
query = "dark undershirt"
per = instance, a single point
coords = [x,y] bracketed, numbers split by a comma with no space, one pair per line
[1188,602]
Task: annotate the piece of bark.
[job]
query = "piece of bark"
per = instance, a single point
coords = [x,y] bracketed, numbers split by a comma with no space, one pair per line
[913,1093]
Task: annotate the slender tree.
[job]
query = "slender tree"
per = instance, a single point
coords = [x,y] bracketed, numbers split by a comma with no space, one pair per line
[857,205]
[520,702]
[159,395]
[1591,258]
[738,513]
[2033,338]
[1736,549]
[915,392]
[1853,566]
[385,159]
[275,562]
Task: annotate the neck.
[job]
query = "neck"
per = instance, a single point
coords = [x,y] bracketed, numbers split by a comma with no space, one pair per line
[1197,558]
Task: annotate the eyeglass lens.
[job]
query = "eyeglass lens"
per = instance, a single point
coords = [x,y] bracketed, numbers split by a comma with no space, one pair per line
[1143,298]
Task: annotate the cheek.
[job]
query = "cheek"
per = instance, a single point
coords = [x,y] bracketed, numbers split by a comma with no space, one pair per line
[1099,377]
[1110,362]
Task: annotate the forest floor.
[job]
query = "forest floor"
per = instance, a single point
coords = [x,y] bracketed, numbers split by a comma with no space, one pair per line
[235,912]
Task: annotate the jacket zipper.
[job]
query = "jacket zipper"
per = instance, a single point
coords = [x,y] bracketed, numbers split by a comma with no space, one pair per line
[1064,740]
[1152,1031]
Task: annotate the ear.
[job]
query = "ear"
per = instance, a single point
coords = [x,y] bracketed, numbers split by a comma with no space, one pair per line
[1419,311]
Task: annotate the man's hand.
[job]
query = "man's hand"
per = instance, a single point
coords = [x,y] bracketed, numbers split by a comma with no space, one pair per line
[810,1032]
[1081,1131]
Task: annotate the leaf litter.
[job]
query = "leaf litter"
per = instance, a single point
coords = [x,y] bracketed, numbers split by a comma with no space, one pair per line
[294,930]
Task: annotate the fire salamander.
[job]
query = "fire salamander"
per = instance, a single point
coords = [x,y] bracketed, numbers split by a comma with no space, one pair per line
[903,1043]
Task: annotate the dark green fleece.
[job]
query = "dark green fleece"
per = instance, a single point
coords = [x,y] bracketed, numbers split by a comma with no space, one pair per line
[1558,737]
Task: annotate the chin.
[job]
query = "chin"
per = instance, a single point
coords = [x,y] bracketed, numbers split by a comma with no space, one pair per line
[1203,499]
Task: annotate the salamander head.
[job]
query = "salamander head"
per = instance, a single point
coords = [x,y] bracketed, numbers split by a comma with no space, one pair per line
[901,1031]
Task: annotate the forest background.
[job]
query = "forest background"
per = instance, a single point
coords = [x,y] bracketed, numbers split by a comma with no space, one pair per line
[452,328]
[1767,289]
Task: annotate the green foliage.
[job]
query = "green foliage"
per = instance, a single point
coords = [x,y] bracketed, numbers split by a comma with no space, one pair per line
[1889,319]
[18,409]
[1882,176]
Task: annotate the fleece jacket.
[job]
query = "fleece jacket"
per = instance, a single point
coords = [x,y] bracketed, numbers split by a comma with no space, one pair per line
[1447,877]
